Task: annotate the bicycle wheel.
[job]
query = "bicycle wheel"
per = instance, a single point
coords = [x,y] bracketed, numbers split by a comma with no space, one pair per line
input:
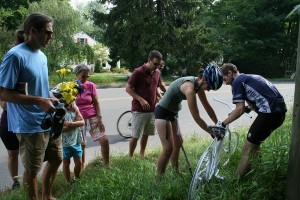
[124,124]
[201,175]
[230,143]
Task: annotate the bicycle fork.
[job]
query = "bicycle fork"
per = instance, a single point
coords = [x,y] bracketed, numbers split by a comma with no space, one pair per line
[215,163]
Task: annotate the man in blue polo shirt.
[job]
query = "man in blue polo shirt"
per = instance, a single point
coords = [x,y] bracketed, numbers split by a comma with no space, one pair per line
[261,97]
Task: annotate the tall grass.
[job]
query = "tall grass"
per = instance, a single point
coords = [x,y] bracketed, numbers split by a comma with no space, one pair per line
[135,178]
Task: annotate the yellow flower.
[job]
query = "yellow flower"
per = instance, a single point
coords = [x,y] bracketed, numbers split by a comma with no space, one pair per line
[63,71]
[69,91]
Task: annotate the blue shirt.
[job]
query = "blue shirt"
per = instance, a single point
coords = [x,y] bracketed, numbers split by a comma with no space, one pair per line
[258,92]
[22,64]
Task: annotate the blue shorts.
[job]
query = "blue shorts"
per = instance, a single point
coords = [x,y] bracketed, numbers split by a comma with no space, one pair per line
[72,151]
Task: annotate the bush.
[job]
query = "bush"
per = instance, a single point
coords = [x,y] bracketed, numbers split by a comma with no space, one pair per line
[98,67]
[121,70]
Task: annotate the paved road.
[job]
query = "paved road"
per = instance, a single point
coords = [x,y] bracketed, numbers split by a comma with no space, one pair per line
[114,101]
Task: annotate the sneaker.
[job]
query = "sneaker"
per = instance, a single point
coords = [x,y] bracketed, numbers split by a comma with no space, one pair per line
[58,123]
[15,185]
[46,122]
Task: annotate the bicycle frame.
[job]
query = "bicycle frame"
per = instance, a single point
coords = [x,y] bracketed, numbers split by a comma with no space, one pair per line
[209,161]
[216,148]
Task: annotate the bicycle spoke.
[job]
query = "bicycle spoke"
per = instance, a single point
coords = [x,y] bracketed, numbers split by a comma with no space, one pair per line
[124,124]
[201,175]
[230,143]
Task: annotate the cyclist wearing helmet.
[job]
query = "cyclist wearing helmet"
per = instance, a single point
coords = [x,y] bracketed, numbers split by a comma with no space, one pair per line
[166,112]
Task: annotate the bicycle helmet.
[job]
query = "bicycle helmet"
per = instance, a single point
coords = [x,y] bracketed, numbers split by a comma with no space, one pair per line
[213,76]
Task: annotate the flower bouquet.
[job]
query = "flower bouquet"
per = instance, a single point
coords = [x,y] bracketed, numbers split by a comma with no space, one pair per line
[66,92]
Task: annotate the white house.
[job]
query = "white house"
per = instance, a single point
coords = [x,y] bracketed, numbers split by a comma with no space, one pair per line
[83,38]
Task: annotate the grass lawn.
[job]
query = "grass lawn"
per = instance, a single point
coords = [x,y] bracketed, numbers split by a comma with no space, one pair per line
[102,79]
[135,178]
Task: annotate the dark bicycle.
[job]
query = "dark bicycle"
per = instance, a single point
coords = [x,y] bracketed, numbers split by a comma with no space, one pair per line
[124,124]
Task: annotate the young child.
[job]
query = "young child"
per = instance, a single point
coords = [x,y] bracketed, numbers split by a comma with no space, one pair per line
[71,141]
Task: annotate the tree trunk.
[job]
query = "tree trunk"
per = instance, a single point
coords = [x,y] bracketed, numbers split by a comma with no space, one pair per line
[293,179]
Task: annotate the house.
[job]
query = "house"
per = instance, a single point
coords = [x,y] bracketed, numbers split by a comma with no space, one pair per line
[83,38]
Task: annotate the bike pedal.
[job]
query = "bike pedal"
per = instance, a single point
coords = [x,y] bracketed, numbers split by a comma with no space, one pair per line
[218,176]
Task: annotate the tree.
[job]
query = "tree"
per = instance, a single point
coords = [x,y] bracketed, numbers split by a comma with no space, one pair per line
[62,49]
[134,28]
[13,12]
[101,53]
[293,182]
[253,34]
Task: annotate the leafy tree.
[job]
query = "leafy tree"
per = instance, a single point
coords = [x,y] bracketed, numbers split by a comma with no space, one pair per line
[253,34]
[63,49]
[7,41]
[13,11]
[136,27]
[101,53]
[88,23]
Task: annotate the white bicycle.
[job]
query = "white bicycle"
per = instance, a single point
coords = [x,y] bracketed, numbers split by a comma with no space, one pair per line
[217,153]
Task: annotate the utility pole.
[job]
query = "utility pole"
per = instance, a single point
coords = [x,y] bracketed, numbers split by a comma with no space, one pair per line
[293,173]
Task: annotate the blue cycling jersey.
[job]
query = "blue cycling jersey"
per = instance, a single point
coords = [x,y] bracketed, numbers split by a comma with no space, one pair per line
[258,92]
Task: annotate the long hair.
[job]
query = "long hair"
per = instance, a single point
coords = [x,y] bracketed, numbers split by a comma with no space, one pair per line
[36,20]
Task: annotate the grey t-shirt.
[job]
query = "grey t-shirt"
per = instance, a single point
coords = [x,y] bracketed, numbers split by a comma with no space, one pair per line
[173,97]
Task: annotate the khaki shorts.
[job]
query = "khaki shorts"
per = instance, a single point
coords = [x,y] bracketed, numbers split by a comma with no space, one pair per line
[38,147]
[143,124]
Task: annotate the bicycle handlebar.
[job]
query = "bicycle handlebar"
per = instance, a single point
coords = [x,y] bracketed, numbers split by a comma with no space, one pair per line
[230,107]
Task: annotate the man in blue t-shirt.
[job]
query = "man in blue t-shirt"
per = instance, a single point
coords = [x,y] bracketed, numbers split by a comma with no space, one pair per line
[261,97]
[24,86]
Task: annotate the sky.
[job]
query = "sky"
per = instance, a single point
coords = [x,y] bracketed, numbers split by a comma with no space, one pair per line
[75,3]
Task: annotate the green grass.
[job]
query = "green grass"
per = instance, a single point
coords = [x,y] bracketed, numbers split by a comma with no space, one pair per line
[101,79]
[135,178]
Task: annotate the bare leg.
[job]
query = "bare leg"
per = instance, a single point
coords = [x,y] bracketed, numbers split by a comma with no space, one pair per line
[166,139]
[248,152]
[144,141]
[13,163]
[31,185]
[77,167]
[176,145]
[104,149]
[132,145]
[49,175]
[83,145]
[66,170]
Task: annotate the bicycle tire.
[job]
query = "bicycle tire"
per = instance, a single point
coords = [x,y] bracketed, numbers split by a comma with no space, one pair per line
[124,124]
[202,174]
[230,143]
